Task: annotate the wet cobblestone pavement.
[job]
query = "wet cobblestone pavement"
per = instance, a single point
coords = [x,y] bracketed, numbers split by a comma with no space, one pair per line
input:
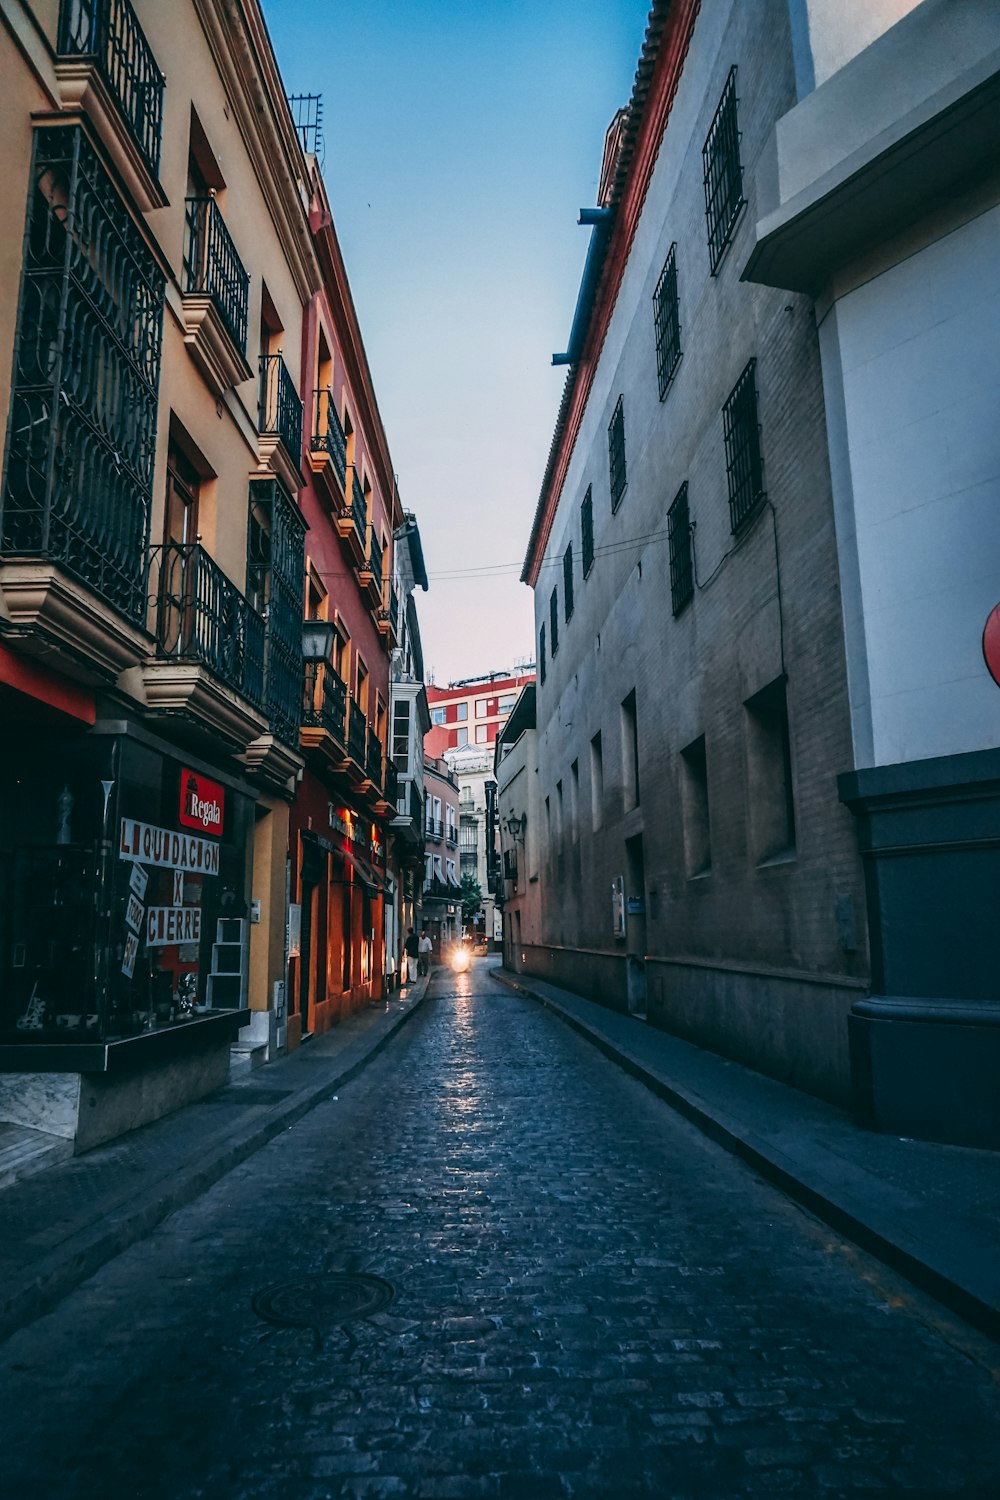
[590,1300]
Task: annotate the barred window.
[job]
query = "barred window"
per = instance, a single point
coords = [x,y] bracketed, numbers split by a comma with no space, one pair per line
[744,465]
[723,174]
[587,531]
[568,582]
[679,541]
[554,622]
[666,317]
[541,654]
[616,454]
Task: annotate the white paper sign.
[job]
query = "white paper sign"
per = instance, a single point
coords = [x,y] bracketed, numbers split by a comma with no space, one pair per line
[130,955]
[172,924]
[134,914]
[167,848]
[138,880]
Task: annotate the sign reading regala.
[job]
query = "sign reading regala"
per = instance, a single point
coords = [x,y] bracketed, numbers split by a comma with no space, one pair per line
[202,802]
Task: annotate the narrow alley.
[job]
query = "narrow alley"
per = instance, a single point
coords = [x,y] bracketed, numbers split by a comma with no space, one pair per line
[493,1265]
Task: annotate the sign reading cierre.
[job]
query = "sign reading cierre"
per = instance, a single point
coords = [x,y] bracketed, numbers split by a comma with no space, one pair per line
[172,924]
[202,802]
[170,850]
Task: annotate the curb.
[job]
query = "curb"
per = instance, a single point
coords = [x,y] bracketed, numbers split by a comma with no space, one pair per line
[59,1272]
[907,1261]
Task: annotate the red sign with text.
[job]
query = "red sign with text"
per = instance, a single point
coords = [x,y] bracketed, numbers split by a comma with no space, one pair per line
[203,803]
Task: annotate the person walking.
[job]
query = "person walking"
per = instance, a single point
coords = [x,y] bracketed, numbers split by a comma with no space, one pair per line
[411,950]
[424,951]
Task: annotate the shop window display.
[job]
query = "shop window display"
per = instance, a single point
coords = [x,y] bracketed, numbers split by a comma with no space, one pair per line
[123,893]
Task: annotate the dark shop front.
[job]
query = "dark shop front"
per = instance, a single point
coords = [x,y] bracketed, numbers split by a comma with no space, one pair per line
[124,928]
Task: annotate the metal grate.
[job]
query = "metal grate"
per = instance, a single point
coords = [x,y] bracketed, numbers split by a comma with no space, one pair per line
[357,734]
[616,454]
[82,427]
[568,582]
[109,32]
[374,553]
[679,541]
[373,759]
[213,268]
[356,507]
[201,616]
[279,410]
[307,116]
[587,531]
[282,593]
[324,700]
[723,173]
[328,432]
[744,465]
[666,318]
[554,622]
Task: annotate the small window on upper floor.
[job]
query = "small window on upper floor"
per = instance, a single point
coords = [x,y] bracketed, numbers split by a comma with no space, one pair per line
[681,554]
[541,653]
[587,531]
[724,198]
[666,319]
[554,622]
[568,582]
[616,454]
[744,462]
[439,715]
[480,708]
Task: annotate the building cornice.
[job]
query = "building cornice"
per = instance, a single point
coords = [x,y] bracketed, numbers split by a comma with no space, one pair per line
[668,35]
[242,53]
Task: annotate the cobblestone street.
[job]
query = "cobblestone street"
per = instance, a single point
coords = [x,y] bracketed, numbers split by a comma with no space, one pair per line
[590,1299]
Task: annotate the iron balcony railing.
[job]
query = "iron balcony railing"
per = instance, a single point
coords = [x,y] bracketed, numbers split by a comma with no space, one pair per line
[213,268]
[109,32]
[393,607]
[357,507]
[357,734]
[279,410]
[324,704]
[373,762]
[374,553]
[391,789]
[201,616]
[451,836]
[328,433]
[434,828]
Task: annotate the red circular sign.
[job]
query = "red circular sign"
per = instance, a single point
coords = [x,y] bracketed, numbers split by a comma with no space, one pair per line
[991,644]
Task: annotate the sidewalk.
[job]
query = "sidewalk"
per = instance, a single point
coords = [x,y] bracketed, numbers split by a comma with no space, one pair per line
[930,1212]
[61,1224]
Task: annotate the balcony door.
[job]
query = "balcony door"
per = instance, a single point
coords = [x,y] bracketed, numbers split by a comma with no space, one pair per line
[178,582]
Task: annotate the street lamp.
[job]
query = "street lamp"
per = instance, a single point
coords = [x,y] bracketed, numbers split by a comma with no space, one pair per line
[516,825]
[317,639]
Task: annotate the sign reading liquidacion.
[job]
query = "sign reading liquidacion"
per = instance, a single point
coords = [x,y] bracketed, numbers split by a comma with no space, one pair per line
[168,849]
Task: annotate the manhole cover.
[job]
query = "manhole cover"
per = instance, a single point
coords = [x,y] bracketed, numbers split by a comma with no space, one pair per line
[323,1301]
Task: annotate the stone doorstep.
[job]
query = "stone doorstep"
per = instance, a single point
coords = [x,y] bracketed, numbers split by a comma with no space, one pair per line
[24,1152]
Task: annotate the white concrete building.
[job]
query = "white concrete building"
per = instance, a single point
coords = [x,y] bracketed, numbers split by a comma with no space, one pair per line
[879,197]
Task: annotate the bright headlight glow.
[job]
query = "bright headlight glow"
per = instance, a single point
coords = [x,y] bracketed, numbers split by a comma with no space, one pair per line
[460,961]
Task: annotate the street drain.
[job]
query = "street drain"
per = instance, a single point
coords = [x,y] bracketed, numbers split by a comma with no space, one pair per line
[319,1302]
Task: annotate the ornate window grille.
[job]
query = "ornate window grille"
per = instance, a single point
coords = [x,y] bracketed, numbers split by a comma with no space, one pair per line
[279,410]
[666,318]
[724,198]
[82,427]
[744,464]
[616,454]
[681,558]
[324,704]
[541,654]
[357,734]
[374,553]
[279,593]
[587,531]
[554,622]
[568,582]
[358,508]
[109,32]
[212,267]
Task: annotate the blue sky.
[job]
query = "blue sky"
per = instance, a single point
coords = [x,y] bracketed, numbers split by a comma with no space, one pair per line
[461,139]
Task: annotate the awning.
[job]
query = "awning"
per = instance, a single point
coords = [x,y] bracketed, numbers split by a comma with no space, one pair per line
[364,872]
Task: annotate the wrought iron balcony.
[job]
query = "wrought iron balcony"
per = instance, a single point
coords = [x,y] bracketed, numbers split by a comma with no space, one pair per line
[358,508]
[82,426]
[391,789]
[451,836]
[108,33]
[375,557]
[212,267]
[279,410]
[357,735]
[373,761]
[202,617]
[324,704]
[328,434]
